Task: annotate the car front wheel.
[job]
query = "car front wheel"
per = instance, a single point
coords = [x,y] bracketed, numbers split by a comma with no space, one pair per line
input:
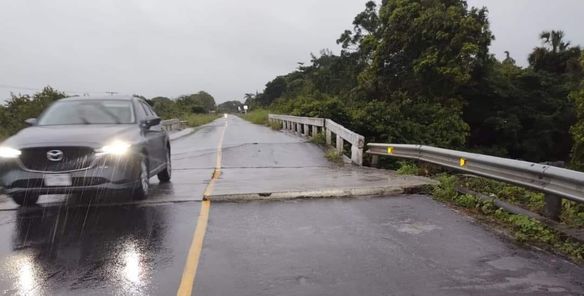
[143,182]
[164,176]
[25,199]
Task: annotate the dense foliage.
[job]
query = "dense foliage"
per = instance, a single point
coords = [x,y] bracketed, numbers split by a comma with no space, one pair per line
[230,107]
[578,128]
[199,103]
[21,107]
[421,72]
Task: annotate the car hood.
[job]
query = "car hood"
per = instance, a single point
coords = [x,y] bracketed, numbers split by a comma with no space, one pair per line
[72,135]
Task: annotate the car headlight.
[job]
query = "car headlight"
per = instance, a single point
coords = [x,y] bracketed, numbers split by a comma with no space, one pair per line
[7,152]
[115,148]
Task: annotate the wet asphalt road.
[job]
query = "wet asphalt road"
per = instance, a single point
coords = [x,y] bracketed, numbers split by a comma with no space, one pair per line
[401,245]
[404,245]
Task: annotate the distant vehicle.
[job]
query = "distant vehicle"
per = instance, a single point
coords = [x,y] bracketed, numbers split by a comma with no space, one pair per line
[86,144]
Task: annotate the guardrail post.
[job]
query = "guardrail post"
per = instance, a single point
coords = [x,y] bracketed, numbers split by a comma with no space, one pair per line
[339,144]
[314,130]
[552,206]
[328,136]
[357,152]
[306,133]
[374,160]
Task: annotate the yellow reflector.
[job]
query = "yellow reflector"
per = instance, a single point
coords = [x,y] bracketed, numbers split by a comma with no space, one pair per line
[462,162]
[389,150]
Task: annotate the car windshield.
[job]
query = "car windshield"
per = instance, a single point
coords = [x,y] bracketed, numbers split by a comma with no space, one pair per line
[88,112]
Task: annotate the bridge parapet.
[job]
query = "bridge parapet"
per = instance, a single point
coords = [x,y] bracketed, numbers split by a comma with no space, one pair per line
[311,126]
[172,125]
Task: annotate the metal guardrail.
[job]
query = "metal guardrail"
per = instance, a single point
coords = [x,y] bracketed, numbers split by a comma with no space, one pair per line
[172,124]
[311,126]
[551,180]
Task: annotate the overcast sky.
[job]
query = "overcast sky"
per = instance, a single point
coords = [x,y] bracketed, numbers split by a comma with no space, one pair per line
[227,48]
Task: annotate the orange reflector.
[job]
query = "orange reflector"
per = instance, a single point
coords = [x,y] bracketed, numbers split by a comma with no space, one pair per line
[462,162]
[389,150]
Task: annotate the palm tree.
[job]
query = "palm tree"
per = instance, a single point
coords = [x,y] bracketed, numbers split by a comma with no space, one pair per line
[508,59]
[554,39]
[556,55]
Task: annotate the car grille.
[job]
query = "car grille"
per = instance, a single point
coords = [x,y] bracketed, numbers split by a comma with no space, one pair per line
[74,158]
[77,182]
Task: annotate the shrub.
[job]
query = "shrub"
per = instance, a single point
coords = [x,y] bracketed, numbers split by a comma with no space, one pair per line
[194,120]
[334,156]
[275,125]
[407,168]
[319,139]
[446,190]
[258,116]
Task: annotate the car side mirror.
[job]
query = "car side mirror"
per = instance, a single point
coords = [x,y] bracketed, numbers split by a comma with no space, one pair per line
[31,121]
[147,123]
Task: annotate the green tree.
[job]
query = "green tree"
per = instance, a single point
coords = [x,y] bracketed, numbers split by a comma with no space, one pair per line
[578,128]
[365,34]
[430,47]
[525,113]
[230,107]
[556,55]
[274,89]
[426,53]
[201,102]
[21,107]
[165,107]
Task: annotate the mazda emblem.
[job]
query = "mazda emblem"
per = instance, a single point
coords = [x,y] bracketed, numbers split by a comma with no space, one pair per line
[55,155]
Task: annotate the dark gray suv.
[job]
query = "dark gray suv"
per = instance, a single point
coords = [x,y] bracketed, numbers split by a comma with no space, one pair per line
[86,144]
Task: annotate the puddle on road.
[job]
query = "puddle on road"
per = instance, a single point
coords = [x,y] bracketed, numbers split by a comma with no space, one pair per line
[417,228]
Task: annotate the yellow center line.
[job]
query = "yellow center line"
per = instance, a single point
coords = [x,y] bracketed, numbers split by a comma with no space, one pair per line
[190,271]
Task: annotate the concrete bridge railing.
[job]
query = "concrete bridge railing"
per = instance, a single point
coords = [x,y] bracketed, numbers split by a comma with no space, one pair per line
[311,126]
[172,125]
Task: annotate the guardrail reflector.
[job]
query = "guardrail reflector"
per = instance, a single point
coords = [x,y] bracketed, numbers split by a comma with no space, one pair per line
[389,150]
[462,162]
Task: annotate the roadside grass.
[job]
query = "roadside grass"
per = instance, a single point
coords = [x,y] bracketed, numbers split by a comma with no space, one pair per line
[333,156]
[572,212]
[275,125]
[257,116]
[318,139]
[194,120]
[522,228]
[407,168]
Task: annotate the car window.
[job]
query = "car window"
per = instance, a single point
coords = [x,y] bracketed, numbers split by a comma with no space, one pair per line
[88,112]
[140,112]
[151,110]
[147,109]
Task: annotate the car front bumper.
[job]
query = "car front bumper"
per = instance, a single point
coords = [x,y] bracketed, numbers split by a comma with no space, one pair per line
[108,174]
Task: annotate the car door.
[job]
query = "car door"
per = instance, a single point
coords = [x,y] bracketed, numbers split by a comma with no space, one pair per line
[161,137]
[154,137]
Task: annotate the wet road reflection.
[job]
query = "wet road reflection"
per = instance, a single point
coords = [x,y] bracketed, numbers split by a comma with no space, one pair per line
[94,250]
